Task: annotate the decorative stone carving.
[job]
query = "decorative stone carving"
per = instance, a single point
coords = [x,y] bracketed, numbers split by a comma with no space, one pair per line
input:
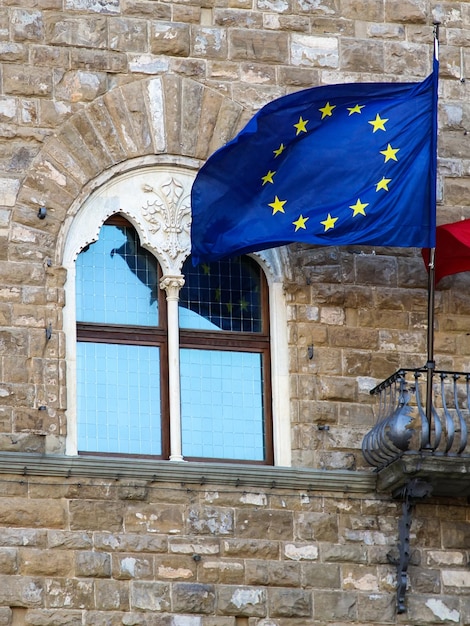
[169,218]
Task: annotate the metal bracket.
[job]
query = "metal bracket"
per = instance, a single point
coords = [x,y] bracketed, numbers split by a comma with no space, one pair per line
[415,490]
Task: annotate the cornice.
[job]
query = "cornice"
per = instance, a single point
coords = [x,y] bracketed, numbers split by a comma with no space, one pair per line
[240,475]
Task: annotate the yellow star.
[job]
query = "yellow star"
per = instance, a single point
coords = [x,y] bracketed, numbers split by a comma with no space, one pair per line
[229,306]
[378,123]
[206,268]
[355,109]
[329,222]
[279,151]
[327,110]
[301,126]
[243,304]
[359,207]
[268,178]
[277,205]
[390,153]
[383,184]
[217,294]
[300,223]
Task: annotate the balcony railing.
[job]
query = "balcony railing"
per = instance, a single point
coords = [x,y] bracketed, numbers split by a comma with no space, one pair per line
[419,410]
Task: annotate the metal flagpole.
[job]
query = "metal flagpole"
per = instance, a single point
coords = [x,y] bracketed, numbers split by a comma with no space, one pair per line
[430,362]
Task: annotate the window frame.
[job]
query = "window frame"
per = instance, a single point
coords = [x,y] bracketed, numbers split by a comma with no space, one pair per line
[125,189]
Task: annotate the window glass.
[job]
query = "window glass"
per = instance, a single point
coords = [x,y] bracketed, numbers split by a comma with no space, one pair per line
[118,398]
[224,295]
[117,280]
[222,404]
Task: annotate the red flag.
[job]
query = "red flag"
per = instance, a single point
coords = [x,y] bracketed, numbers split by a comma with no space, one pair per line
[452,249]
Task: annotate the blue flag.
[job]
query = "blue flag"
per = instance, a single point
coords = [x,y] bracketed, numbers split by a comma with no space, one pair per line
[332,165]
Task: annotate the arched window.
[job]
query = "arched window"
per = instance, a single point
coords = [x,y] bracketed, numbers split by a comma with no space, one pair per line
[166,359]
[122,370]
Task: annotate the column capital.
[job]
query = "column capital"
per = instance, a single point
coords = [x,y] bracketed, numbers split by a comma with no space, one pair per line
[172,285]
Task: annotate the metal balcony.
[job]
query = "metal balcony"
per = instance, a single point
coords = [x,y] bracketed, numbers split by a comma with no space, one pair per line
[423,418]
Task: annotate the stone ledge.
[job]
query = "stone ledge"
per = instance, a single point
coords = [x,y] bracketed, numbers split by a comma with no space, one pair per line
[29,464]
[449,476]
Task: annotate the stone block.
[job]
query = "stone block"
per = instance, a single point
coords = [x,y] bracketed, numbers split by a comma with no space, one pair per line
[21,591]
[267,524]
[147,518]
[221,571]
[338,606]
[35,562]
[202,546]
[175,567]
[27,81]
[128,35]
[8,561]
[423,609]
[253,45]
[69,593]
[127,566]
[110,7]
[336,553]
[13,52]
[130,542]
[170,38]
[209,43]
[27,25]
[193,598]
[236,18]
[111,595]
[102,516]
[279,574]
[69,540]
[208,520]
[375,608]
[31,513]
[250,548]
[44,617]
[313,51]
[301,552]
[321,576]
[362,55]
[150,596]
[98,60]
[408,59]
[89,32]
[290,603]
[407,11]
[92,564]
[6,615]
[241,601]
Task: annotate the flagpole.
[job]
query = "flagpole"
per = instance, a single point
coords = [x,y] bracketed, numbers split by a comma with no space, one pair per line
[430,362]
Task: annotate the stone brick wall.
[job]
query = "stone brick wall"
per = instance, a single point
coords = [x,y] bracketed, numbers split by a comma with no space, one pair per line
[87,86]
[135,552]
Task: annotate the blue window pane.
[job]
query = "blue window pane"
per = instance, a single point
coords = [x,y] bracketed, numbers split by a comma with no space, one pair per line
[118,398]
[117,280]
[222,404]
[225,295]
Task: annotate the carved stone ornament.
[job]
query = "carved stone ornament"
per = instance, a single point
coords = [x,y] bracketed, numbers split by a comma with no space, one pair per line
[169,218]
[156,200]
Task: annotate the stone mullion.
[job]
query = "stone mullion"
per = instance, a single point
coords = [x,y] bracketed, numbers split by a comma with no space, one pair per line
[172,286]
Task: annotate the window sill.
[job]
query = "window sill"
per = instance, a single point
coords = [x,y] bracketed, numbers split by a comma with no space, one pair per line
[116,468]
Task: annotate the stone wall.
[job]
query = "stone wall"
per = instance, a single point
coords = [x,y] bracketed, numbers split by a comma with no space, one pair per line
[112,552]
[88,86]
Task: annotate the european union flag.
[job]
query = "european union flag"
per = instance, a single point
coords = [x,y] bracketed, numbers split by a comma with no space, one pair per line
[332,165]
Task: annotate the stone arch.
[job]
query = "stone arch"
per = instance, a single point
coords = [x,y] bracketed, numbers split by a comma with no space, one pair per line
[168,120]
